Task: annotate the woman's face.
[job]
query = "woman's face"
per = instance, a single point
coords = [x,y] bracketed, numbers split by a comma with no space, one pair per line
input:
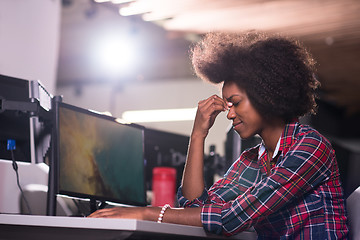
[246,120]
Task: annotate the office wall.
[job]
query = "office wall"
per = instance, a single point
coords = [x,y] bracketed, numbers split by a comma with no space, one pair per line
[29,39]
[29,36]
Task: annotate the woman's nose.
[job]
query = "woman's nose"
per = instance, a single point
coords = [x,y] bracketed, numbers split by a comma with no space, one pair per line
[231,113]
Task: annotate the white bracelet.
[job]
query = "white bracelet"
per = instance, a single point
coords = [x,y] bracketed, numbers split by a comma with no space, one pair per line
[162,212]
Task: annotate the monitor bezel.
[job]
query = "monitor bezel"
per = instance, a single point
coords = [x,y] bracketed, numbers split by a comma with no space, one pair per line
[90,196]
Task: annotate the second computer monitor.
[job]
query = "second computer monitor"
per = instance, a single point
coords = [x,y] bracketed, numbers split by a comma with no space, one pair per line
[100,158]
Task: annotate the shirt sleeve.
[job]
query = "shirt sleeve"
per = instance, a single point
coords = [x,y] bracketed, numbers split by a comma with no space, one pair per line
[225,189]
[306,165]
[198,202]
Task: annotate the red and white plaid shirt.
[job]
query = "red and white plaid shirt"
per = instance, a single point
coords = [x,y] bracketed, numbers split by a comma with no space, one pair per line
[300,198]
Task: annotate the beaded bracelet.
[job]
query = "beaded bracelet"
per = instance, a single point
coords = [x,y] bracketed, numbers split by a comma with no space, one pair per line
[162,212]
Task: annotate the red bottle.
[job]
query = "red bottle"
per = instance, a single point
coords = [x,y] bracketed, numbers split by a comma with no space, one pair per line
[163,186]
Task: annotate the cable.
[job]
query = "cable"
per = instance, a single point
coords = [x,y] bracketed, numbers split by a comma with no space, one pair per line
[11,147]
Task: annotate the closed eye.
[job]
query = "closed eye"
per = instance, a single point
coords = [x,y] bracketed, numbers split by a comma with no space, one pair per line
[236,103]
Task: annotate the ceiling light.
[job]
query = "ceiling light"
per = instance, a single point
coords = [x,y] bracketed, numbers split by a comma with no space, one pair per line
[161,115]
[136,8]
[121,1]
[101,1]
[148,17]
[116,53]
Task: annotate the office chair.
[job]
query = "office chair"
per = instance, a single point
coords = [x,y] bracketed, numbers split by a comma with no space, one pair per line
[353,208]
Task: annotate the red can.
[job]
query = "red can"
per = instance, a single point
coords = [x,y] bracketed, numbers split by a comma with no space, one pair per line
[163,186]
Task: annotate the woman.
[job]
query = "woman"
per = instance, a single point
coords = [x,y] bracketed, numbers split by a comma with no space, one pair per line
[286,187]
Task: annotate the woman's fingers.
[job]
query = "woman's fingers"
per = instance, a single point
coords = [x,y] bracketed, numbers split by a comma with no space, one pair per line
[212,104]
[207,112]
[118,212]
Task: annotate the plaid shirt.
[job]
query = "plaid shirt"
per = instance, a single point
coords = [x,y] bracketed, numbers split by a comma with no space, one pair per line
[300,198]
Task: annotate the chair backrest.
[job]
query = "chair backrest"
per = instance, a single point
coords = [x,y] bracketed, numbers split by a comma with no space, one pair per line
[353,207]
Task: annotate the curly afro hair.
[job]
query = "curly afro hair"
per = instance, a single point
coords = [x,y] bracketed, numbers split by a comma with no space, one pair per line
[277,73]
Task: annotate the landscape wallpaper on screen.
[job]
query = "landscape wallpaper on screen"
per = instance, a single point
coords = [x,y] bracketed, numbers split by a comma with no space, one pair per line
[100,157]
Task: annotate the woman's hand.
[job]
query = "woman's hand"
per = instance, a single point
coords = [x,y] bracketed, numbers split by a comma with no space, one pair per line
[120,212]
[187,216]
[206,114]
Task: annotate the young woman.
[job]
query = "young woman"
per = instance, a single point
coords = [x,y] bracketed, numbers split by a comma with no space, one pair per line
[288,187]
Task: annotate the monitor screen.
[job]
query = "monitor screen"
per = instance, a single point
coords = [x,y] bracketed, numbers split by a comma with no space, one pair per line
[100,158]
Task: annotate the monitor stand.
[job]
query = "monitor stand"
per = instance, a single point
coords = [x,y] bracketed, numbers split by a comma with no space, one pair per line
[95,206]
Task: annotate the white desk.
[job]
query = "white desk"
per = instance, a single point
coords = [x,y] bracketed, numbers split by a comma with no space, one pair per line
[68,228]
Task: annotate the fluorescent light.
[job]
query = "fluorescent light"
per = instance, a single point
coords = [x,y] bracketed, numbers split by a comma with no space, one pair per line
[161,115]
[121,1]
[136,8]
[148,17]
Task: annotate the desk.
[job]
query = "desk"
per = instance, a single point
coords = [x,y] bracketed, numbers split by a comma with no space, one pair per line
[69,228]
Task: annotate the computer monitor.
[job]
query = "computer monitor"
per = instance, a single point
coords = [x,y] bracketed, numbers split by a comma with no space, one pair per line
[165,149]
[14,124]
[24,117]
[99,158]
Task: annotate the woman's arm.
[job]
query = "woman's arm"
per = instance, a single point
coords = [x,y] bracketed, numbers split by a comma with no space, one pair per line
[184,216]
[193,176]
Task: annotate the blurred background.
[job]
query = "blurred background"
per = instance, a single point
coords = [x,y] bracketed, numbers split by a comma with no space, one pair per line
[124,56]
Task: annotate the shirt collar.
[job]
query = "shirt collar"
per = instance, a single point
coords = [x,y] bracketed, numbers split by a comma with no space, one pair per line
[285,141]
[262,148]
